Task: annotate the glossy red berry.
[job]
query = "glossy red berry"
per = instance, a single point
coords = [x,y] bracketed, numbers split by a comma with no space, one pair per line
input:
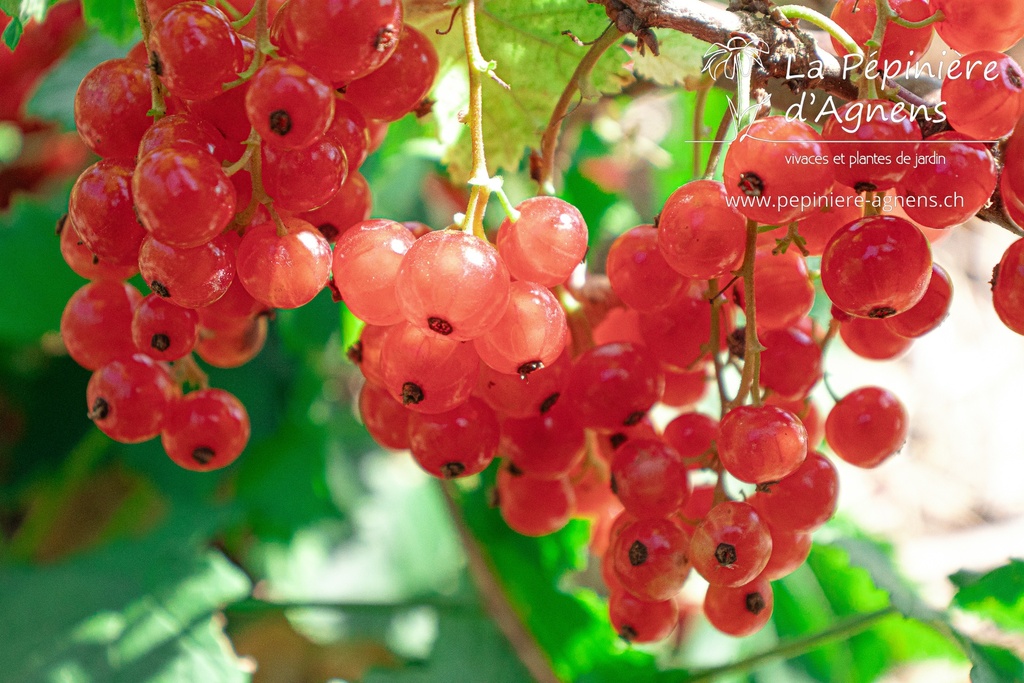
[546,446]
[101,208]
[965,29]
[232,347]
[790,363]
[348,128]
[427,372]
[817,227]
[111,106]
[308,31]
[650,558]
[192,278]
[649,477]
[397,86]
[456,443]
[876,267]
[902,47]
[205,430]
[878,137]
[741,610]
[639,621]
[530,335]
[784,293]
[365,267]
[127,398]
[289,107]
[692,434]
[385,419]
[183,197]
[614,385]
[731,546]
[349,206]
[700,235]
[930,311]
[867,426]
[284,271]
[196,51]
[953,180]
[532,506]
[546,243]
[789,550]
[304,179]
[96,324]
[453,284]
[804,500]
[164,331]
[81,260]
[759,176]
[185,130]
[1008,287]
[639,273]
[872,339]
[520,396]
[761,443]
[985,97]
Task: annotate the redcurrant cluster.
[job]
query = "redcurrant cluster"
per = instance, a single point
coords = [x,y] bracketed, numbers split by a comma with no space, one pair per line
[227,205]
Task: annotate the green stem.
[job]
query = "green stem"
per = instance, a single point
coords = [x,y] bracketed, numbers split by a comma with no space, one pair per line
[549,140]
[744,73]
[257,606]
[478,67]
[159,107]
[750,382]
[824,23]
[263,45]
[843,630]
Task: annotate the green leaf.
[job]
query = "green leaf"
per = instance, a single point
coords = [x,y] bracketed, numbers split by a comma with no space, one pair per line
[33,265]
[679,63]
[138,612]
[525,38]
[113,18]
[54,99]
[997,595]
[13,32]
[994,664]
[20,12]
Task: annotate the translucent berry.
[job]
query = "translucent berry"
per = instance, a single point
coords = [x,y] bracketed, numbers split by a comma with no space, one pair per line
[965,29]
[547,446]
[397,86]
[111,106]
[930,311]
[530,335]
[699,233]
[101,209]
[304,179]
[881,135]
[804,500]
[284,271]
[289,107]
[532,506]
[191,278]
[426,372]
[97,321]
[639,273]
[81,260]
[902,47]
[650,558]
[547,242]
[790,363]
[365,266]
[127,398]
[649,477]
[876,267]
[985,97]
[731,546]
[164,331]
[205,430]
[741,610]
[195,50]
[386,420]
[867,426]
[453,284]
[614,385]
[456,443]
[639,621]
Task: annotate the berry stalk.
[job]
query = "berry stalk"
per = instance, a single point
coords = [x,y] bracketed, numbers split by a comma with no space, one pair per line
[477,66]
[159,106]
[749,384]
[549,140]
[824,23]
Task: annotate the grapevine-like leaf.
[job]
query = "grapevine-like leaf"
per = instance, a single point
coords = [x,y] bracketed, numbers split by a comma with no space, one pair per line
[997,595]
[525,38]
[133,612]
[994,664]
[678,64]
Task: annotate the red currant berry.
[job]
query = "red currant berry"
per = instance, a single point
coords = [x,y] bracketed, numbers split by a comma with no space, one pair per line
[650,558]
[731,546]
[349,206]
[546,243]
[530,335]
[304,179]
[789,550]
[453,284]
[639,621]
[876,267]
[638,272]
[81,260]
[741,610]
[366,263]
[614,385]
[930,311]
[97,321]
[284,271]
[1008,287]
[111,108]
[205,430]
[790,363]
[902,47]
[164,331]
[457,443]
[385,419]
[288,107]
[699,233]
[649,477]
[965,29]
[547,446]
[102,211]
[232,347]
[393,90]
[872,339]
[953,182]
[195,50]
[761,443]
[987,98]
[804,500]
[531,506]
[426,372]
[191,278]
[127,398]
[867,426]
[524,396]
[879,131]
